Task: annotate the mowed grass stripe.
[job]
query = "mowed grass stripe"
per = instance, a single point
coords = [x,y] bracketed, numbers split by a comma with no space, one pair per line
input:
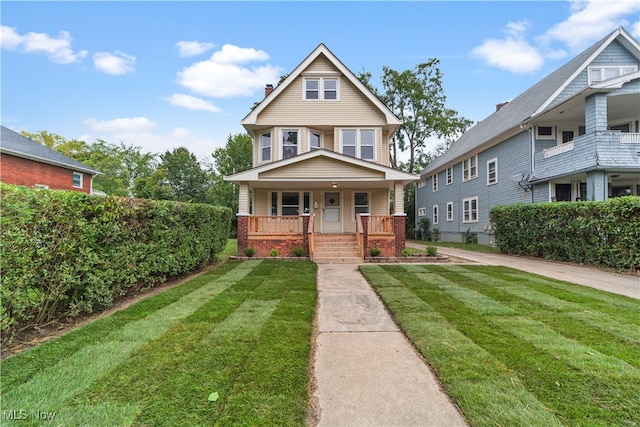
[577,396]
[52,387]
[595,329]
[487,391]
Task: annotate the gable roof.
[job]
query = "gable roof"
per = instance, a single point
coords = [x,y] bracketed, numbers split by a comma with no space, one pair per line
[348,162]
[18,145]
[533,102]
[321,50]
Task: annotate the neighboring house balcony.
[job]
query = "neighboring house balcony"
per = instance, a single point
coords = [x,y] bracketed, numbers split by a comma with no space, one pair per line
[599,150]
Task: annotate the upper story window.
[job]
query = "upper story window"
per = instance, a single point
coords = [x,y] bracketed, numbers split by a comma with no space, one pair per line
[470,168]
[434,182]
[422,183]
[450,175]
[600,73]
[358,143]
[321,88]
[315,140]
[492,172]
[76,179]
[545,132]
[265,147]
[289,143]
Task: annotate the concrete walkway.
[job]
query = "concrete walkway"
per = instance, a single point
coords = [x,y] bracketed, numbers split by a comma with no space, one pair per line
[366,371]
[622,284]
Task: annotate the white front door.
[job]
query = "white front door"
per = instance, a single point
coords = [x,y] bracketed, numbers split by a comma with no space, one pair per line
[331,213]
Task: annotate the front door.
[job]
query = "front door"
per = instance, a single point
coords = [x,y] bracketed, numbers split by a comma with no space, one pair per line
[331,213]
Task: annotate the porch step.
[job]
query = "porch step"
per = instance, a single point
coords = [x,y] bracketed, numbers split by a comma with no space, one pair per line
[336,249]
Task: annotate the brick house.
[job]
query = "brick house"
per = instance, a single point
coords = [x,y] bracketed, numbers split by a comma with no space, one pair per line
[31,164]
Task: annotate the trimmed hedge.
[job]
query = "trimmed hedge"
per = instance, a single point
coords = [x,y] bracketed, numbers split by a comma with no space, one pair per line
[64,253]
[605,234]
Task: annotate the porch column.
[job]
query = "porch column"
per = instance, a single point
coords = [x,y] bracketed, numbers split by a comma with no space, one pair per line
[243,201]
[399,232]
[595,113]
[597,185]
[398,198]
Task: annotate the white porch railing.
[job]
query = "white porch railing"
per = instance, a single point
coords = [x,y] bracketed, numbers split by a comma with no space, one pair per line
[630,138]
[558,149]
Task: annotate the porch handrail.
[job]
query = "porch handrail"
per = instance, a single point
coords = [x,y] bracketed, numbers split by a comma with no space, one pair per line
[275,225]
[630,138]
[310,235]
[380,224]
[360,234]
[558,149]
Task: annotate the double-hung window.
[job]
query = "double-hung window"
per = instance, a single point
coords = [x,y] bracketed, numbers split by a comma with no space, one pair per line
[470,209]
[422,211]
[287,203]
[321,89]
[449,211]
[76,180]
[470,168]
[435,214]
[289,143]
[315,140]
[492,172]
[265,147]
[360,203]
[359,143]
[450,175]
[434,182]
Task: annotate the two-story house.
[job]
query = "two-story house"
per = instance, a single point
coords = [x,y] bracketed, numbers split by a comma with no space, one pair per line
[29,163]
[575,135]
[321,170]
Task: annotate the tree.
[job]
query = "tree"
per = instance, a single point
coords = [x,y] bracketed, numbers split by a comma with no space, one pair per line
[417,98]
[73,148]
[236,156]
[184,175]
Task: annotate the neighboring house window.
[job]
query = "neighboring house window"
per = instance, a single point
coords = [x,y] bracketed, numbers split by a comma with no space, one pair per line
[434,182]
[435,214]
[359,143]
[46,187]
[422,211]
[449,211]
[598,74]
[321,89]
[315,140]
[422,183]
[450,175]
[545,132]
[470,168]
[289,143]
[360,203]
[77,180]
[265,147]
[470,209]
[492,172]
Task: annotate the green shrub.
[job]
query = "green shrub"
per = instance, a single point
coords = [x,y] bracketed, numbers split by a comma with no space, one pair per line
[605,233]
[64,253]
[470,237]
[406,252]
[374,251]
[432,250]
[297,251]
[274,253]
[249,251]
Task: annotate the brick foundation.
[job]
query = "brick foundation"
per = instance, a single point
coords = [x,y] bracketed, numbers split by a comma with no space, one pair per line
[399,232]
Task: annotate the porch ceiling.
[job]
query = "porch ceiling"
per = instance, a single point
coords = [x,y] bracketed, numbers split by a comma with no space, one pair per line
[322,184]
[620,108]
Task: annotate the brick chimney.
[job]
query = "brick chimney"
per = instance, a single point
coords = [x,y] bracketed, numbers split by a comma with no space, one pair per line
[267,90]
[502,104]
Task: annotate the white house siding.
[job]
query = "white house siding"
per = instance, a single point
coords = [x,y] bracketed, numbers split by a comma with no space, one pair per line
[513,156]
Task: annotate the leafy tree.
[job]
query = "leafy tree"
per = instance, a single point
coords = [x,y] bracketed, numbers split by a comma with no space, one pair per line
[184,175]
[234,157]
[416,96]
[72,148]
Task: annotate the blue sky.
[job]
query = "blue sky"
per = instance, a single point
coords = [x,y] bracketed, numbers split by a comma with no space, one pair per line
[161,75]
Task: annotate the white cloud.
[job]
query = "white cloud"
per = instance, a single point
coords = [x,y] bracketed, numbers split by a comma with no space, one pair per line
[125,124]
[191,103]
[590,21]
[512,53]
[192,48]
[57,48]
[116,64]
[222,76]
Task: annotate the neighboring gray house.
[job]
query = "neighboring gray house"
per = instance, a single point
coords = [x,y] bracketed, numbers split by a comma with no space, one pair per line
[575,135]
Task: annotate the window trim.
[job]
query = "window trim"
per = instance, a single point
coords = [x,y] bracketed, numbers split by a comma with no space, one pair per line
[313,132]
[353,204]
[470,168]
[358,143]
[282,144]
[449,175]
[435,217]
[495,178]
[321,91]
[81,179]
[551,136]
[449,211]
[604,68]
[262,147]
[468,213]
[434,183]
[304,201]
[422,211]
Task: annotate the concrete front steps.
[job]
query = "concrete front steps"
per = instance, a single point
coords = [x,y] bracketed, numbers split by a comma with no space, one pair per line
[336,249]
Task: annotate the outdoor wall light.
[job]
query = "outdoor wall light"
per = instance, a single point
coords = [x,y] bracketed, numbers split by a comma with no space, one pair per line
[334,185]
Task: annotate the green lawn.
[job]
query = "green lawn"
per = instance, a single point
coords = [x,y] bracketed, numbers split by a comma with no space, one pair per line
[515,349]
[241,332]
[467,246]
